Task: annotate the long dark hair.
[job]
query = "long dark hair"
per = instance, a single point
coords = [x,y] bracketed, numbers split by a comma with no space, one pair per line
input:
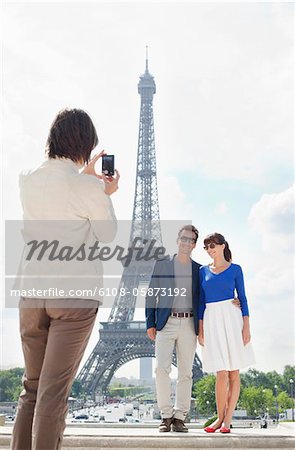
[72,135]
[217,238]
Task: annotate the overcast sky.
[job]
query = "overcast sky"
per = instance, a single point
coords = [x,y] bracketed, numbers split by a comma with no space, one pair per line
[223,110]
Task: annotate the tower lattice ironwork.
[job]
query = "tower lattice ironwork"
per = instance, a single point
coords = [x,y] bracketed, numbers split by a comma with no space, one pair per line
[121,338]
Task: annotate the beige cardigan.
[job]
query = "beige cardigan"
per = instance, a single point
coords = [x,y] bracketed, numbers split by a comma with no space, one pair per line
[61,204]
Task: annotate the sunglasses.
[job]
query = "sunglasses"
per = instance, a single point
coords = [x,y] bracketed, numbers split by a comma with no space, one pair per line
[212,245]
[187,239]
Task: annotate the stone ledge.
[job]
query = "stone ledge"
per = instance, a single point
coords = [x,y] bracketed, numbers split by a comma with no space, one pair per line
[140,438]
[171,442]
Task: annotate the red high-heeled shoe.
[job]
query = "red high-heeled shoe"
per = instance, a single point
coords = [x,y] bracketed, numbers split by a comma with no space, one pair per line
[224,430]
[211,429]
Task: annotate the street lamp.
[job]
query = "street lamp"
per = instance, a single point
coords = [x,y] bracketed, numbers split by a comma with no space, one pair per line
[291,387]
[277,406]
[204,393]
[263,404]
[207,403]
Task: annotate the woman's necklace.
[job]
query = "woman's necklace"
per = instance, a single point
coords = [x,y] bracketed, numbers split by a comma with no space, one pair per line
[217,268]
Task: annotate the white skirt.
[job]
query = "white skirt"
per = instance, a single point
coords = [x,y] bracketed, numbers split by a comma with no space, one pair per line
[223,343]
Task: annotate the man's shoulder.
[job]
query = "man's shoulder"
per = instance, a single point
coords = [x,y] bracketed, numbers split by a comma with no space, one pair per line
[196,265]
[168,260]
[164,260]
[163,264]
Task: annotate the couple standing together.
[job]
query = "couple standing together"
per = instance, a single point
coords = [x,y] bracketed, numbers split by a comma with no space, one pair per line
[203,308]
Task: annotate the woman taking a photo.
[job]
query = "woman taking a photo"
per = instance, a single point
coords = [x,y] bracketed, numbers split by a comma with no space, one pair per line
[224,330]
[66,200]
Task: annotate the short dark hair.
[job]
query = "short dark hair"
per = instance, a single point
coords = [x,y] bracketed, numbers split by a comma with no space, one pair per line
[72,135]
[189,228]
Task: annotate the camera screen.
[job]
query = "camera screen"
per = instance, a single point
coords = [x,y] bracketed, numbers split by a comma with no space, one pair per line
[108,165]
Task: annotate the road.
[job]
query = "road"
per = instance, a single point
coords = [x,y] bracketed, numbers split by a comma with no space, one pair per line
[112,413]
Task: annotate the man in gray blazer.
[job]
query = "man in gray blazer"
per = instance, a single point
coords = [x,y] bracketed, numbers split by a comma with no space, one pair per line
[172,321]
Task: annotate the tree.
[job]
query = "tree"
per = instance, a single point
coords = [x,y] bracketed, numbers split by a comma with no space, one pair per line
[289,373]
[77,389]
[257,400]
[250,378]
[204,392]
[284,401]
[10,384]
[268,401]
[127,391]
[274,379]
[260,379]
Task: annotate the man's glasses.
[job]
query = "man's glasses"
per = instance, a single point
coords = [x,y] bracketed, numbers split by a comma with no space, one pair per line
[187,239]
[212,245]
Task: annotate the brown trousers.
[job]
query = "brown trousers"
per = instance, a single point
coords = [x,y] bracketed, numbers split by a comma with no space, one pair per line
[54,339]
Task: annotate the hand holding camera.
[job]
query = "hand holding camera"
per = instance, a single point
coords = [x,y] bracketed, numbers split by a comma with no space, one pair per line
[111,183]
[89,169]
[108,170]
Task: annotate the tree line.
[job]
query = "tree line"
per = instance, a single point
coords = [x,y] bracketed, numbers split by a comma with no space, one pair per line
[260,391]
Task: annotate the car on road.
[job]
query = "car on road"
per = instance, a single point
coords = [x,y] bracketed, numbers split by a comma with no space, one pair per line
[123,419]
[82,417]
[133,420]
[129,410]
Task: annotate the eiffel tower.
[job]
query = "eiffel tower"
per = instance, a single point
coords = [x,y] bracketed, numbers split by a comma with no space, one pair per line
[121,338]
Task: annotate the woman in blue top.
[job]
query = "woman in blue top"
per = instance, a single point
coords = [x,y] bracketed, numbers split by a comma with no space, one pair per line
[224,330]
